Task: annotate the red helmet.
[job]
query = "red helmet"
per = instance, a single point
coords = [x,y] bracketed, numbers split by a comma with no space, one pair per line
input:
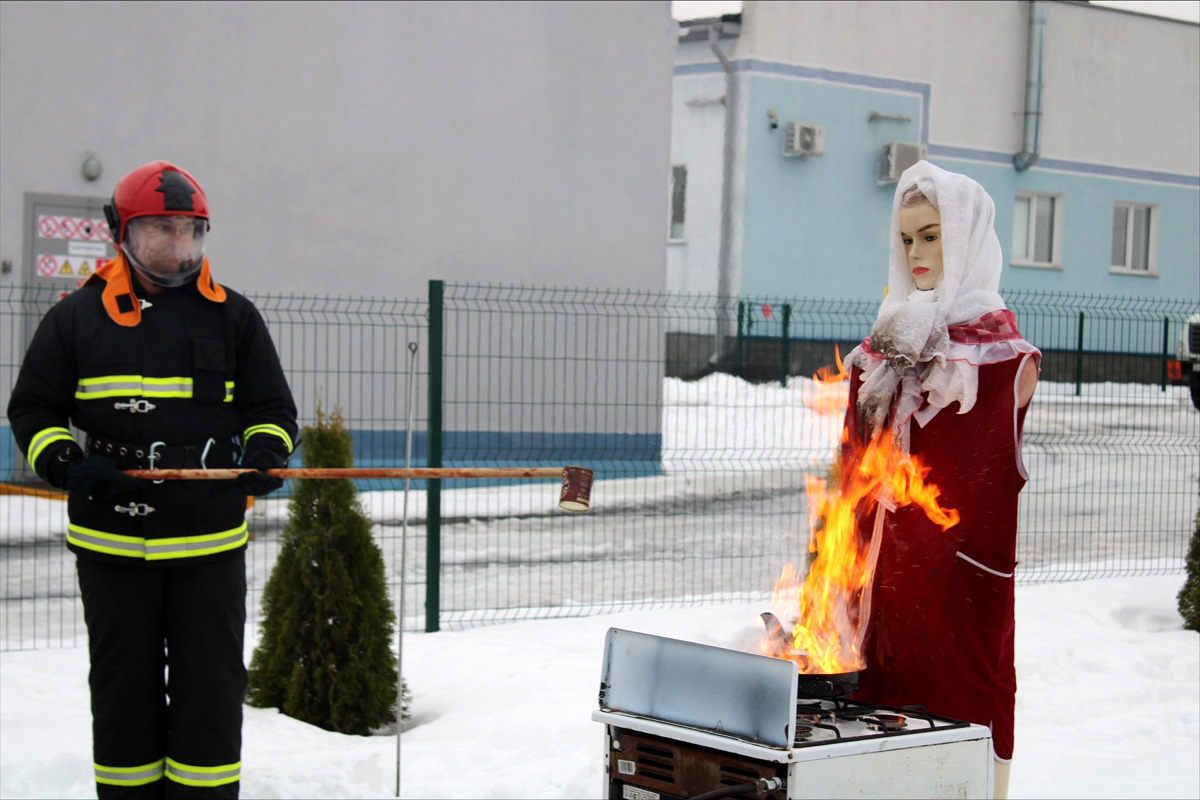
[154,189]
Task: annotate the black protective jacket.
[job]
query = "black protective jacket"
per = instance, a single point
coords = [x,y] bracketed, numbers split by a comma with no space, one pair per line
[189,385]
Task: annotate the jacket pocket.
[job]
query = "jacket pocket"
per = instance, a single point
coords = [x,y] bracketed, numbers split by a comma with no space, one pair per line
[208,370]
[979,592]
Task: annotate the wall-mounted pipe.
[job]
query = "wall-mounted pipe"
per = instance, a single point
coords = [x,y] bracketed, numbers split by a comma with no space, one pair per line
[723,278]
[1031,146]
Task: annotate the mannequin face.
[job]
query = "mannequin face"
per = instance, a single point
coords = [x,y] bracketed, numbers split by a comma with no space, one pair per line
[921,232]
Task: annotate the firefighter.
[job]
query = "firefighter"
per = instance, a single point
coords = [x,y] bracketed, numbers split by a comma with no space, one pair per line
[158,366]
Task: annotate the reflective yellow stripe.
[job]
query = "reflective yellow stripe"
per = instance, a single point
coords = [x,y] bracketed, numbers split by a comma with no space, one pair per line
[117,544]
[274,430]
[139,386]
[189,775]
[43,438]
[188,546]
[129,776]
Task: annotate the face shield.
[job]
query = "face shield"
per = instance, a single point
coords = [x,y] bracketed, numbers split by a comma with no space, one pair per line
[169,250]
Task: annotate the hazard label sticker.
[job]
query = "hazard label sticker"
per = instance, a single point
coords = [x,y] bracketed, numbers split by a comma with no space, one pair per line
[48,226]
[65,269]
[47,266]
[84,269]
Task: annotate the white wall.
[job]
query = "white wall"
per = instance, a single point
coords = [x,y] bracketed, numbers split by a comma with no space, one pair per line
[1120,89]
[360,148]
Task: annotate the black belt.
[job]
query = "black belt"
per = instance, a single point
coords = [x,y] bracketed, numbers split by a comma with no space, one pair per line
[211,454]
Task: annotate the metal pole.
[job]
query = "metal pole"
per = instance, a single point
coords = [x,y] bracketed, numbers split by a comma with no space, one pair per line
[408,430]
[741,334]
[786,346]
[433,489]
[1166,350]
[1079,358]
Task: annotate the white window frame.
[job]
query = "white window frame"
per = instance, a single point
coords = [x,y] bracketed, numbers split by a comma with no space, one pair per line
[1151,270]
[1055,261]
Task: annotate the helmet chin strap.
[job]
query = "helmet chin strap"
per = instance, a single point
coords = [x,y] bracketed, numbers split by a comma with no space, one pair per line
[166,281]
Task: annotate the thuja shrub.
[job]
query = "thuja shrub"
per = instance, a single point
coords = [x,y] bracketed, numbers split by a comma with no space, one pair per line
[1189,595]
[326,654]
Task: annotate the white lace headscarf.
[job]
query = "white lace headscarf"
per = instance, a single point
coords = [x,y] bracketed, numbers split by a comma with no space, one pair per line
[911,333]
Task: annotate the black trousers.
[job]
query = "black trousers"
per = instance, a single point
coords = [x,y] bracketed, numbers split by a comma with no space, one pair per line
[167,676]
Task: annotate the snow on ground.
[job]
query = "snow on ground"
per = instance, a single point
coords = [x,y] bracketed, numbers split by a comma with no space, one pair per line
[1109,706]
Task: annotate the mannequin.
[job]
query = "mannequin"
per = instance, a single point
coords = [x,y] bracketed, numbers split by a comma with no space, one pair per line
[946,370]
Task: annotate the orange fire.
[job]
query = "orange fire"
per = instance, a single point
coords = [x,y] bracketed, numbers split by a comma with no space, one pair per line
[828,607]
[827,393]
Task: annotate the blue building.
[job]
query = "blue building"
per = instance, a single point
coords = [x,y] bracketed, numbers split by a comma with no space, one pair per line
[1082,122]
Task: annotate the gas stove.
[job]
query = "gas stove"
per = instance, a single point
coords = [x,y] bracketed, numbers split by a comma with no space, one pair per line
[684,719]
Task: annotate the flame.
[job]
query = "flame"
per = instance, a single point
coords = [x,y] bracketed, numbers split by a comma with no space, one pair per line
[827,393]
[829,605]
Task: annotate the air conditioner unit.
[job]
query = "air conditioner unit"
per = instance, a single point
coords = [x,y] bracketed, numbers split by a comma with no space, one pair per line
[803,140]
[897,157]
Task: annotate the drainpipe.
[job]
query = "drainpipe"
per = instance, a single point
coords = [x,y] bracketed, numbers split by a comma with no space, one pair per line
[1031,143]
[723,281]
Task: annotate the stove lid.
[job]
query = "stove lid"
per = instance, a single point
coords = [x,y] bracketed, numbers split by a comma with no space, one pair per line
[741,695]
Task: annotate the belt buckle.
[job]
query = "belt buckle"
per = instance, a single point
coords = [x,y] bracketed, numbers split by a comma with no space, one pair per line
[155,455]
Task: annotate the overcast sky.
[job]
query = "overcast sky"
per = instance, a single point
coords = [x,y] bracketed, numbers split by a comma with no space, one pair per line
[1180,9]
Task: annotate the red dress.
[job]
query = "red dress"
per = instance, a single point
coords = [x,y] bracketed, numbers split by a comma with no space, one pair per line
[942,623]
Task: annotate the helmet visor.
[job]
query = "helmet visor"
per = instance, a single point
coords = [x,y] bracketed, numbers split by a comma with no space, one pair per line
[167,245]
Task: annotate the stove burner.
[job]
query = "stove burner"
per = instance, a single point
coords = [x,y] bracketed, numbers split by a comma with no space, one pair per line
[803,732]
[808,719]
[854,712]
[886,722]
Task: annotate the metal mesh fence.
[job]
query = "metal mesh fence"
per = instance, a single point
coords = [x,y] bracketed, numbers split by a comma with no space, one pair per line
[700,419]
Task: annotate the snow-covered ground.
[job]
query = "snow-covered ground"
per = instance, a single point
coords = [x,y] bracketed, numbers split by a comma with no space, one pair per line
[1108,706]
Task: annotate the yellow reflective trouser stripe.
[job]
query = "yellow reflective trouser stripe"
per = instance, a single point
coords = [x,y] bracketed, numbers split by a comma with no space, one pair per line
[43,438]
[203,776]
[274,430]
[139,386]
[157,549]
[129,776]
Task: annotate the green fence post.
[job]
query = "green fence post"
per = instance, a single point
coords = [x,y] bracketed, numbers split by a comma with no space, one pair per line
[1166,350]
[433,487]
[785,356]
[1079,358]
[741,337]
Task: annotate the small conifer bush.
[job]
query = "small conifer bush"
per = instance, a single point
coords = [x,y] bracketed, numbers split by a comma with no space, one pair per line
[326,654]
[1189,595]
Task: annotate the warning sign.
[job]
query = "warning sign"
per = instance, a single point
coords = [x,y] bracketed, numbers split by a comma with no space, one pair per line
[84,269]
[67,227]
[86,229]
[65,269]
[47,226]
[102,231]
[47,266]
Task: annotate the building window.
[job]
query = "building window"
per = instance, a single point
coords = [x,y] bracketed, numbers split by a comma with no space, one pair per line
[678,199]
[1133,240]
[1037,230]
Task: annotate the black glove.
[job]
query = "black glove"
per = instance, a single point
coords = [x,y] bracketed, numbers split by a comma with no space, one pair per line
[98,478]
[60,461]
[261,458]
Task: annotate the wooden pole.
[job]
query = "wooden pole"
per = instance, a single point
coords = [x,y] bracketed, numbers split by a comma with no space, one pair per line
[414,473]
